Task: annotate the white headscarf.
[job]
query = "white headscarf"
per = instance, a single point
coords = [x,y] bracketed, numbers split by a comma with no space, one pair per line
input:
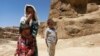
[36,17]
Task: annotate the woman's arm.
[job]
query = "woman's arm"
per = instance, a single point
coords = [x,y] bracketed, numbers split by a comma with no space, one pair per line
[34,28]
[25,20]
[28,18]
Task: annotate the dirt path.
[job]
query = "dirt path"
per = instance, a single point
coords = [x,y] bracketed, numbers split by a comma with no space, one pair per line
[81,46]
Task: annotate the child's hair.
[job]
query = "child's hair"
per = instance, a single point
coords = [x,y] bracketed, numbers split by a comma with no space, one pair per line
[23,27]
[49,21]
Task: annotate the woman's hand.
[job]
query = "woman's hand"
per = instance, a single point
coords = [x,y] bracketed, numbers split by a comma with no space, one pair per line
[29,16]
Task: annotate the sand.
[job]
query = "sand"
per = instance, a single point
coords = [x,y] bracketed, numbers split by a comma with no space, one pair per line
[79,46]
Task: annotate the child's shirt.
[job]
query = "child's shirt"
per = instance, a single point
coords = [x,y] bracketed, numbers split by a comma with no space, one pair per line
[50,34]
[25,46]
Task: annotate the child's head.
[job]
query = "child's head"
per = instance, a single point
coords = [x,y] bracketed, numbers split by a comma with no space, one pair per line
[25,30]
[50,23]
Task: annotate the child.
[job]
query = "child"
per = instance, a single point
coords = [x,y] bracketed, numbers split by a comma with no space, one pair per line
[25,44]
[51,37]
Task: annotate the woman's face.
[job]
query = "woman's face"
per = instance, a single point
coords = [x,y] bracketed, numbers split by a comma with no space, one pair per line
[30,11]
[51,25]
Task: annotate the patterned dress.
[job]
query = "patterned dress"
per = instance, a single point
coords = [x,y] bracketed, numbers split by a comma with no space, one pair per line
[25,46]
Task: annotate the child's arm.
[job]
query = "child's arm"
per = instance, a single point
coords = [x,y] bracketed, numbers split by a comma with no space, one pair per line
[56,37]
[30,52]
[31,48]
[46,39]
[46,36]
[31,45]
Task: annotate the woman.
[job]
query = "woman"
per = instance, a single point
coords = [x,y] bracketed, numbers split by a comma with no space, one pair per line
[31,19]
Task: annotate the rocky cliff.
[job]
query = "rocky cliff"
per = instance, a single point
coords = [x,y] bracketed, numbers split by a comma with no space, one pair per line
[75,17]
[9,33]
[71,8]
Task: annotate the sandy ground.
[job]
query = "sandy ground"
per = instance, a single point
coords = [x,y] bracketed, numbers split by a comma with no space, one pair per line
[80,46]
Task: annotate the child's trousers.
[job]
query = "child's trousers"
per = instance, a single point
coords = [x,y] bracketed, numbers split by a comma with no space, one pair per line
[51,49]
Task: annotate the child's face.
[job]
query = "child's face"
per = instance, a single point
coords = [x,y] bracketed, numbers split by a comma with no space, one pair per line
[51,25]
[26,32]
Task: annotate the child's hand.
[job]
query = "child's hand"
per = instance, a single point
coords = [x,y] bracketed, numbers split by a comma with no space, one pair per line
[30,52]
[15,54]
[46,42]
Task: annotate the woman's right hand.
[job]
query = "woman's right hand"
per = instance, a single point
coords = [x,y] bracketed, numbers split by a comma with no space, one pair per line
[29,16]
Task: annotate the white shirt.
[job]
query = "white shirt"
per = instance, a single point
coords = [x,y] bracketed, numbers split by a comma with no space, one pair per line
[51,35]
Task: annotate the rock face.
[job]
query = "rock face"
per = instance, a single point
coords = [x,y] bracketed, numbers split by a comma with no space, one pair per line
[92,7]
[81,26]
[95,1]
[42,28]
[9,32]
[1,31]
[75,17]
[71,8]
[61,8]
[78,5]
[68,8]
